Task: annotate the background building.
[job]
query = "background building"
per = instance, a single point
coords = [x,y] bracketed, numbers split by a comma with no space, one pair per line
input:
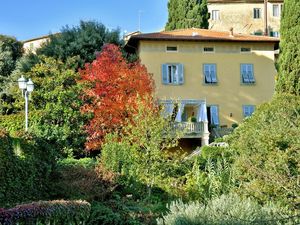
[246,16]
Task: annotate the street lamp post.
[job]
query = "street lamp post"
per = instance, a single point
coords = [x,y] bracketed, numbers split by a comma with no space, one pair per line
[26,88]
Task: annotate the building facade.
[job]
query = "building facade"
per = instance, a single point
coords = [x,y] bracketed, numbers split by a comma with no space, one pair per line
[231,73]
[255,17]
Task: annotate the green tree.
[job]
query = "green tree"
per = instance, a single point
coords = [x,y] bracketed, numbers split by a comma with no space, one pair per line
[84,41]
[289,58]
[187,14]
[141,155]
[54,105]
[10,51]
[267,162]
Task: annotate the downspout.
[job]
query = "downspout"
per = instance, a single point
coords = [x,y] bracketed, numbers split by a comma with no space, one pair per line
[266,33]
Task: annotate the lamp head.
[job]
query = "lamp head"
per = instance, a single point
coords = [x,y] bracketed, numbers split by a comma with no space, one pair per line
[30,85]
[22,83]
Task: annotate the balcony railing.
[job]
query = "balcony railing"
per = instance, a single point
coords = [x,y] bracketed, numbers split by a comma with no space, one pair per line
[190,128]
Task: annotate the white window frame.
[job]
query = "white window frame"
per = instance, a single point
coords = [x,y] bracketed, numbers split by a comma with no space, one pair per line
[276,13]
[255,15]
[215,15]
[248,110]
[248,76]
[210,78]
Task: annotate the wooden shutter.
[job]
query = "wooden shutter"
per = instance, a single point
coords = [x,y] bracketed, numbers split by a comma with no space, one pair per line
[250,73]
[164,73]
[207,73]
[213,73]
[244,73]
[214,112]
[180,73]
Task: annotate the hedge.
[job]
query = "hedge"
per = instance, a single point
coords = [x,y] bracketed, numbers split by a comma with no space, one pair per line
[47,212]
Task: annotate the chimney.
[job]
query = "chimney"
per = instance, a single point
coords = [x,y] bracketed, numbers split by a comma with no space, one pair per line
[231,32]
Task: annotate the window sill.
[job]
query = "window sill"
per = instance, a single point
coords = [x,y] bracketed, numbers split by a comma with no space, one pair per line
[210,84]
[248,84]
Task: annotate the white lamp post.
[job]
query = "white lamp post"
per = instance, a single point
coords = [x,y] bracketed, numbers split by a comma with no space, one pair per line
[26,88]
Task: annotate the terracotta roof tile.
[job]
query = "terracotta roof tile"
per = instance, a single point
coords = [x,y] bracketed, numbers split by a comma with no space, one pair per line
[195,34]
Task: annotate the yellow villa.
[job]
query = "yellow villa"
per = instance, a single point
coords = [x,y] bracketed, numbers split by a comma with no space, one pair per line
[230,74]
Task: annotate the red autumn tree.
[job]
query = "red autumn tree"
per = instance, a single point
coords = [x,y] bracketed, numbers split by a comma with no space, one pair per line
[113,86]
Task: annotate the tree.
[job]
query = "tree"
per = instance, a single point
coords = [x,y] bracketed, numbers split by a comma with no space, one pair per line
[187,14]
[84,41]
[113,85]
[10,51]
[289,58]
[267,161]
[140,154]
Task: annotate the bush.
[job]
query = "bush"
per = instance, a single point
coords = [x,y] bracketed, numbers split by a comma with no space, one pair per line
[210,174]
[43,212]
[81,178]
[227,209]
[26,167]
[267,165]
[15,123]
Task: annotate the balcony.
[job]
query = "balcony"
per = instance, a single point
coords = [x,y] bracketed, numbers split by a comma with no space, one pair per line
[190,129]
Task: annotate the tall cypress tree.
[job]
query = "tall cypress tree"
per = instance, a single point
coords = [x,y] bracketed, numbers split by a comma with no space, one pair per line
[187,14]
[289,58]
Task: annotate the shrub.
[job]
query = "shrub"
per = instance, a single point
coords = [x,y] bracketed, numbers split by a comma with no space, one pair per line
[227,209]
[267,165]
[210,174]
[80,178]
[46,212]
[25,168]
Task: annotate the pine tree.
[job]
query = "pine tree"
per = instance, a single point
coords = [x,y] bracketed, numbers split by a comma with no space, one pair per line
[289,58]
[187,14]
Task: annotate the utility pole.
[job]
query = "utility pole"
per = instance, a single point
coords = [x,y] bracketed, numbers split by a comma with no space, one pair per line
[266,30]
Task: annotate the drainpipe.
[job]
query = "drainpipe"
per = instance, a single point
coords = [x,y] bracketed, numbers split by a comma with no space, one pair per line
[266,33]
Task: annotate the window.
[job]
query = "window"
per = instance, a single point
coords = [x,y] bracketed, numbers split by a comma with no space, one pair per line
[248,110]
[257,13]
[214,114]
[258,33]
[208,49]
[243,49]
[215,15]
[274,34]
[247,75]
[276,12]
[171,48]
[172,74]
[210,73]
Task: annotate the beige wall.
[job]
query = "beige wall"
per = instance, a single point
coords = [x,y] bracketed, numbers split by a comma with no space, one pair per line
[229,94]
[32,46]
[240,17]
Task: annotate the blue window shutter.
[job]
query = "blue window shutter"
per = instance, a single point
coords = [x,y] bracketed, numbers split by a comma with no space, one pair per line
[251,73]
[164,73]
[244,73]
[248,110]
[207,73]
[214,112]
[180,73]
[213,73]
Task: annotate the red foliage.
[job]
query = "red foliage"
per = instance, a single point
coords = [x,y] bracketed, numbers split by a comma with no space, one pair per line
[114,86]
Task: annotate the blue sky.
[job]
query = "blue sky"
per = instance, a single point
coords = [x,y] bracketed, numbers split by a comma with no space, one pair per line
[26,19]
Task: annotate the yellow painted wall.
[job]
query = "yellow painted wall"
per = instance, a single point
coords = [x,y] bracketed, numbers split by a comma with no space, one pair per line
[240,17]
[229,94]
